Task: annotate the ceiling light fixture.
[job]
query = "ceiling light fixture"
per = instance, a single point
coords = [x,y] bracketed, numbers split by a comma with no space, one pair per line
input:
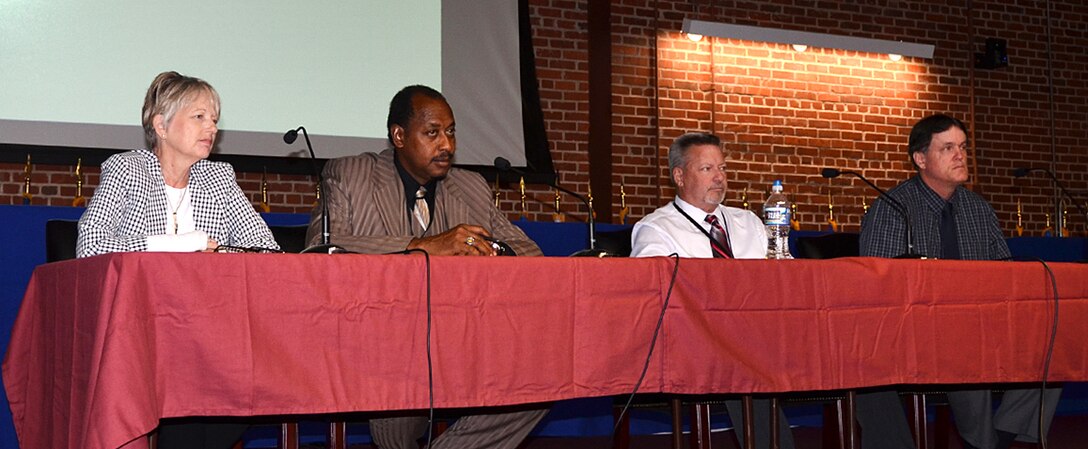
[795,38]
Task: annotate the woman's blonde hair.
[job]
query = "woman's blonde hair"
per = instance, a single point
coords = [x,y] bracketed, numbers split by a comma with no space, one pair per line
[169,92]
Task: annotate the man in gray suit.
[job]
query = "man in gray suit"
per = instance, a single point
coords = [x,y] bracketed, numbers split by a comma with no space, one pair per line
[410,197]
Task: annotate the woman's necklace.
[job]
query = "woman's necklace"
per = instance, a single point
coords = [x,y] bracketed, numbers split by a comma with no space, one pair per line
[181,200]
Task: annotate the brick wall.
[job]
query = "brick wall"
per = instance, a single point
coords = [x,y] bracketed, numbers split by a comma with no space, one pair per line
[784,114]
[51,185]
[55,185]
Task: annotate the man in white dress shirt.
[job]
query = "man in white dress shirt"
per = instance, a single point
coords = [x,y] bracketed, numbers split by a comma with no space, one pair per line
[697,166]
[696,224]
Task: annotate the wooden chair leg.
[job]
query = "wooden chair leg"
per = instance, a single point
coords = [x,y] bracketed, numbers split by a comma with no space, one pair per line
[919,424]
[840,428]
[775,444]
[338,435]
[700,426]
[621,439]
[746,404]
[677,423]
[832,428]
[439,427]
[289,435]
[849,423]
[852,440]
[942,427]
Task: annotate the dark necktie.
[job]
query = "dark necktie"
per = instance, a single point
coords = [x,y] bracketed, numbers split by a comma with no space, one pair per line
[717,234]
[950,243]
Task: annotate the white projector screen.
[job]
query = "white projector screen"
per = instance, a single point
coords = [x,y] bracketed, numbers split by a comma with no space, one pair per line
[74,73]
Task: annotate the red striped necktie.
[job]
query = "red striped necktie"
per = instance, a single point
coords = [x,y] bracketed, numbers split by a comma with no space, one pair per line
[717,233]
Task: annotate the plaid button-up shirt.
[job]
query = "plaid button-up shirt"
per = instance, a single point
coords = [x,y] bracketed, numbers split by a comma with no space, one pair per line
[883,230]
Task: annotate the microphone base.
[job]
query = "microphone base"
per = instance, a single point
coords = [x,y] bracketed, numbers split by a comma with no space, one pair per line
[910,256]
[592,253]
[323,249]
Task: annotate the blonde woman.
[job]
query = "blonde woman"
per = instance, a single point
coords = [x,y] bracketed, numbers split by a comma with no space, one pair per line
[170,198]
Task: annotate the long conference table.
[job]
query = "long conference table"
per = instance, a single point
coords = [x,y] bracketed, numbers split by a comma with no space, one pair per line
[106,346]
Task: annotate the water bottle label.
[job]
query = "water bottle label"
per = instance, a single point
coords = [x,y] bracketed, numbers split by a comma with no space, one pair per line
[776,216]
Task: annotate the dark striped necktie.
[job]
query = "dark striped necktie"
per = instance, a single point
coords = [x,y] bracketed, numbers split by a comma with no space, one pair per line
[717,233]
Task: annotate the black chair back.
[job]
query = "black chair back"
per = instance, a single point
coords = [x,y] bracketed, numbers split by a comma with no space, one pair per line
[292,239]
[830,246]
[616,243]
[61,236]
[60,239]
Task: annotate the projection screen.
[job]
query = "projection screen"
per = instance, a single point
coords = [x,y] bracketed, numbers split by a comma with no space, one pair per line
[74,73]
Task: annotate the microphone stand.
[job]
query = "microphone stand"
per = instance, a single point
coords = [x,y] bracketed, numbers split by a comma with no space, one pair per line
[592,251]
[326,247]
[910,254]
[503,165]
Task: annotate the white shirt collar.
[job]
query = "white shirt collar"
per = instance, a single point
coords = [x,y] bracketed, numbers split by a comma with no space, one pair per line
[698,214]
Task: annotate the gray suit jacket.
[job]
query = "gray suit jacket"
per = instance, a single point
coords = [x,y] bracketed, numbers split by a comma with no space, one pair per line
[368,212]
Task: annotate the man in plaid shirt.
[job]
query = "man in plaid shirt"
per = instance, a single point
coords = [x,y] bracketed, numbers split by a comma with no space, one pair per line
[948,222]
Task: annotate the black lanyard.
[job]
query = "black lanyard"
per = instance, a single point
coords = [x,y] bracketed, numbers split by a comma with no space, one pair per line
[713,241]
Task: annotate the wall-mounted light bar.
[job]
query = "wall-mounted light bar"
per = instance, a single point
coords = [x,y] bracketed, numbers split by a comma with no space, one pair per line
[789,37]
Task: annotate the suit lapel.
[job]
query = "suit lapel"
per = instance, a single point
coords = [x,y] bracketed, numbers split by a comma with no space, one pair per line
[204,217]
[450,210]
[157,219]
[389,195]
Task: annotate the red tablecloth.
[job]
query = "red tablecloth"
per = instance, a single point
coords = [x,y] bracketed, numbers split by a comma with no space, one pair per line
[103,347]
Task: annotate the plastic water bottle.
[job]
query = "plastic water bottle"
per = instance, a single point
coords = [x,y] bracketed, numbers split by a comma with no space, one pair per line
[776,217]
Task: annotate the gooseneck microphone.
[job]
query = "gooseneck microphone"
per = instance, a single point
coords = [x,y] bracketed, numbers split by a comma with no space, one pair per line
[910,254]
[325,247]
[503,165]
[1024,171]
